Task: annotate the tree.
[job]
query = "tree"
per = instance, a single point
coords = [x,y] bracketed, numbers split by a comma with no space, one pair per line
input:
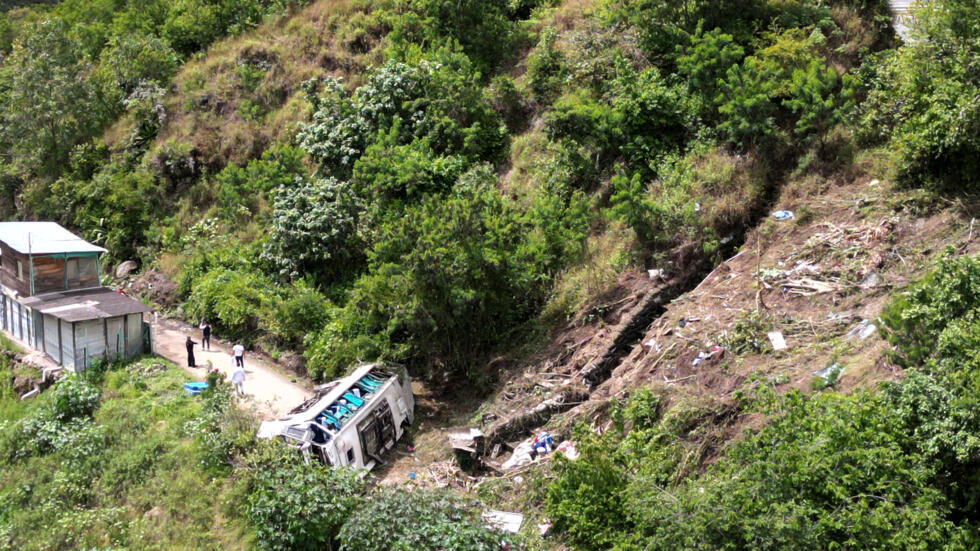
[49,104]
[314,229]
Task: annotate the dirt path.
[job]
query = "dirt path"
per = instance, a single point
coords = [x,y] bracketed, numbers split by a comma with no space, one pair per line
[274,393]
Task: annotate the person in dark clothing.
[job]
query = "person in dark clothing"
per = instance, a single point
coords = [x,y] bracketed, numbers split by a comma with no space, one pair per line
[205,335]
[190,352]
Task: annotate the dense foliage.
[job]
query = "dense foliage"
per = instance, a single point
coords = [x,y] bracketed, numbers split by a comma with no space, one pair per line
[400,520]
[923,99]
[295,506]
[422,205]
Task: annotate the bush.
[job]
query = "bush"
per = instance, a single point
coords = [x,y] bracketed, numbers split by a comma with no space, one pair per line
[438,99]
[922,100]
[449,279]
[918,317]
[223,432]
[314,230]
[546,68]
[294,506]
[73,397]
[235,301]
[399,520]
[250,186]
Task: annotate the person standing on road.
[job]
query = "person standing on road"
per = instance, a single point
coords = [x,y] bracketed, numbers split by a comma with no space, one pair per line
[238,379]
[205,335]
[190,352]
[239,352]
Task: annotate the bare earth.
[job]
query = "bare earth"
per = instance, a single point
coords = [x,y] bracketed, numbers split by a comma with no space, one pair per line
[274,393]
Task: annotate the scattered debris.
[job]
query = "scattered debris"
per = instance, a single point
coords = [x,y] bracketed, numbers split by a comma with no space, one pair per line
[567,448]
[870,281]
[543,444]
[777,340]
[195,388]
[503,521]
[31,394]
[521,455]
[830,373]
[468,439]
[656,274]
[783,215]
[862,330]
[544,528]
[712,352]
[469,444]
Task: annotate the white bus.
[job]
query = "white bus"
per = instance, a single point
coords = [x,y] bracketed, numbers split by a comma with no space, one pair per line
[351,421]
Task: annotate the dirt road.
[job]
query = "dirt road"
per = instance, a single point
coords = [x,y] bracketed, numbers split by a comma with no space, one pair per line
[274,393]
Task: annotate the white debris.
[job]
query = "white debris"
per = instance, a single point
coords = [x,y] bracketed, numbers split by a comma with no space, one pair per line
[567,448]
[521,455]
[503,521]
[868,331]
[777,340]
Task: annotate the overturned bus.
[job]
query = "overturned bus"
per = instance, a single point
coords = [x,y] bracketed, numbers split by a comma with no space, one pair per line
[351,421]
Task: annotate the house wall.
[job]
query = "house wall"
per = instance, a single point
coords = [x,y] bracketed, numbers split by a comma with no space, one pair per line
[8,270]
[51,341]
[49,274]
[89,342]
[65,272]
[134,335]
[67,345]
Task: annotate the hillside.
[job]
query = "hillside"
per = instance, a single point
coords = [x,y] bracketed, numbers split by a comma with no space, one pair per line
[558,215]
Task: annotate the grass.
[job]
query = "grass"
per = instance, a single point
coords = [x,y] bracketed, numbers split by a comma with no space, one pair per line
[142,487]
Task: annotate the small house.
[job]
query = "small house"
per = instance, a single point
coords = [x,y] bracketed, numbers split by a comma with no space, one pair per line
[53,302]
[351,421]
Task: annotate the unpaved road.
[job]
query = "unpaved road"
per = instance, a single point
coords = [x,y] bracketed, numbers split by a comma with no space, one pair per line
[274,393]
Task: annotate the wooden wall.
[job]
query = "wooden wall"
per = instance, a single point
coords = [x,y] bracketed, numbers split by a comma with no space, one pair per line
[8,270]
[49,274]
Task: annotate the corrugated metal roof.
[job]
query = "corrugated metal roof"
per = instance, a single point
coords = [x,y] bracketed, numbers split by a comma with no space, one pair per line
[85,304]
[43,238]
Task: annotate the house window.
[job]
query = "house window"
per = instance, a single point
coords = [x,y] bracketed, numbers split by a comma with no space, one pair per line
[20,270]
[350,456]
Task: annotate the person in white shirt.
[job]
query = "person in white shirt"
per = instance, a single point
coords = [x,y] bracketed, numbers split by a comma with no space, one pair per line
[238,379]
[239,351]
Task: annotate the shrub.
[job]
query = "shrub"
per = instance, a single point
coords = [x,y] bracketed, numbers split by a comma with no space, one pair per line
[546,68]
[399,520]
[73,397]
[449,279]
[251,185]
[438,99]
[314,230]
[235,300]
[916,318]
[298,506]
[223,432]
[922,100]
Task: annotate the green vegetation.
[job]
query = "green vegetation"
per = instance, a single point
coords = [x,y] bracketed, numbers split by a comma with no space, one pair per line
[885,469]
[109,461]
[921,99]
[430,181]
[123,458]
